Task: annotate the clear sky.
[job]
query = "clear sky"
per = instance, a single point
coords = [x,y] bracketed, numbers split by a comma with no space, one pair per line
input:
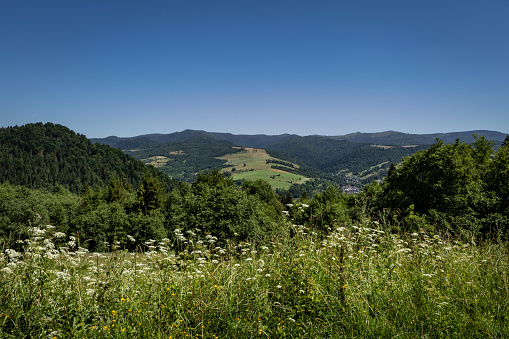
[125,68]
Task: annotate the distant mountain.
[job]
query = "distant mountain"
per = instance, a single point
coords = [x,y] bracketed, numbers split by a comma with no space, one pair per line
[402,139]
[184,158]
[148,140]
[332,156]
[391,138]
[366,155]
[48,155]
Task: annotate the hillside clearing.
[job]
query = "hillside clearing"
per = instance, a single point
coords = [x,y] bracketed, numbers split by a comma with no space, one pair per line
[251,164]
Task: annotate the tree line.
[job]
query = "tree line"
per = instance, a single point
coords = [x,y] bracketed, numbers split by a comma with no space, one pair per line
[50,155]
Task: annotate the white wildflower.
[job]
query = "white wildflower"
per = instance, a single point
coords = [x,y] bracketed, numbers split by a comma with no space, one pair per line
[6,270]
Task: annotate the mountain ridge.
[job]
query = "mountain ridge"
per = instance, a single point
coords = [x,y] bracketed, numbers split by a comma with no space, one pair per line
[390,138]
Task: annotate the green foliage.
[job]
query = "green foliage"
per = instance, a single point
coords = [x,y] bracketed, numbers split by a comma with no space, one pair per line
[328,209]
[21,207]
[459,187]
[262,190]
[332,156]
[214,204]
[48,155]
[150,195]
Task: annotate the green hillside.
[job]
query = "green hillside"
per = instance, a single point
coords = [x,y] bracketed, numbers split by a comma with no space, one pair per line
[340,156]
[183,159]
[49,155]
[254,163]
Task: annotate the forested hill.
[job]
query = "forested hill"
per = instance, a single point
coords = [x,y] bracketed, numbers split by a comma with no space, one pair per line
[47,155]
[402,139]
[391,138]
[150,140]
[332,156]
[183,159]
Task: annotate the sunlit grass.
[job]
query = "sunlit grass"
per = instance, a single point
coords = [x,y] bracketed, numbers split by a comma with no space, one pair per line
[352,282]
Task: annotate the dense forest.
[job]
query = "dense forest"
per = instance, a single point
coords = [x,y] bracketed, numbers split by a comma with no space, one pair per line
[50,155]
[183,159]
[331,156]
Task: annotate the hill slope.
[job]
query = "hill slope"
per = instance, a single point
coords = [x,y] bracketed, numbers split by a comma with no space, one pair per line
[402,139]
[46,155]
[333,156]
[183,159]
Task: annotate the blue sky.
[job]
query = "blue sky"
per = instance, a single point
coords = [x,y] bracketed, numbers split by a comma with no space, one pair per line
[127,68]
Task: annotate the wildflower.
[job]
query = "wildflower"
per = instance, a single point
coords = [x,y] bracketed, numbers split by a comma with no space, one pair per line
[6,270]
[404,250]
[59,235]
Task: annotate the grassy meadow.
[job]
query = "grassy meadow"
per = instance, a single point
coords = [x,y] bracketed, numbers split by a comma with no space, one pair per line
[344,282]
[251,165]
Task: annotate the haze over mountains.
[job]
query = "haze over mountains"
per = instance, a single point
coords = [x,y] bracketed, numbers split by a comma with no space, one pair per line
[391,138]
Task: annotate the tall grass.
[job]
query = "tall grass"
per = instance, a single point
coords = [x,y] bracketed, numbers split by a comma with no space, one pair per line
[350,282]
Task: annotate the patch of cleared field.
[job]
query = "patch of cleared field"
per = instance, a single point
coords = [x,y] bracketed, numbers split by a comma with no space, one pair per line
[156,161]
[251,164]
[248,159]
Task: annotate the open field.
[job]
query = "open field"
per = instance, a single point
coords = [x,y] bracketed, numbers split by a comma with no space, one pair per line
[251,164]
[156,161]
[356,282]
[373,171]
